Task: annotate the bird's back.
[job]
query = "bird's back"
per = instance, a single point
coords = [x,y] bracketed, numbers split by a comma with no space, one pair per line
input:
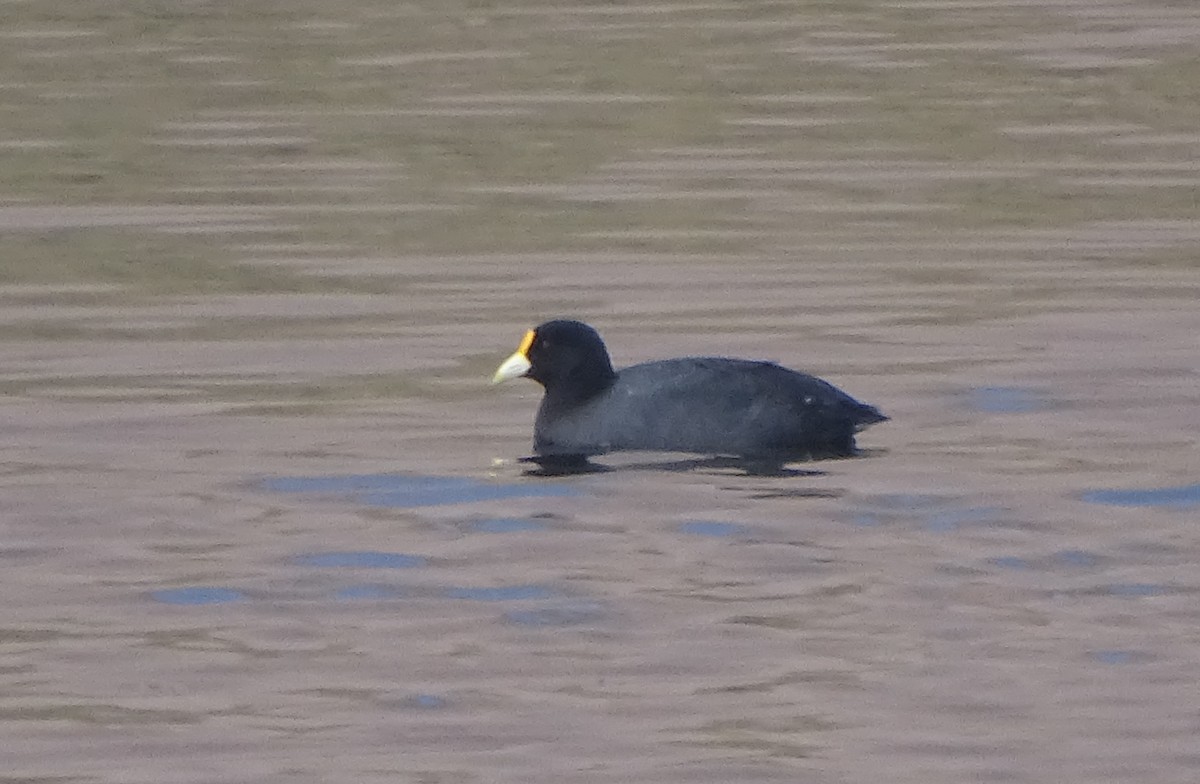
[707,405]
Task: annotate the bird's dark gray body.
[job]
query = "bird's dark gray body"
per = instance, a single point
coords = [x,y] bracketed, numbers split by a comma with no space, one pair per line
[704,405]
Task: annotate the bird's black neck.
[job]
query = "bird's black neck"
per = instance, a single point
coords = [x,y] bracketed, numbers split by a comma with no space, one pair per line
[582,383]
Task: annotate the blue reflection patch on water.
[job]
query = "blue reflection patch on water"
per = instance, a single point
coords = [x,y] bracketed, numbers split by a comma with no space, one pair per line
[369,591]
[506,525]
[954,518]
[1062,558]
[570,615]
[1115,657]
[403,491]
[936,513]
[198,594]
[427,701]
[1006,400]
[1181,497]
[505,593]
[1076,558]
[366,559]
[711,528]
[1135,590]
[1010,562]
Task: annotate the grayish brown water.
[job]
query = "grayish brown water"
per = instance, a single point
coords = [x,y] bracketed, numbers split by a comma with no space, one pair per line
[257,261]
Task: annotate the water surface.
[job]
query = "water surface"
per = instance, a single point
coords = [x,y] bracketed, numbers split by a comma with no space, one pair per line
[290,242]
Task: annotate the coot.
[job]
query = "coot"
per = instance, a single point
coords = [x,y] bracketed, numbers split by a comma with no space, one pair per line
[755,411]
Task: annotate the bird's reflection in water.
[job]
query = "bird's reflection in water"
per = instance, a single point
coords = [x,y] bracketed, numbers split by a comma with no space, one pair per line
[574,465]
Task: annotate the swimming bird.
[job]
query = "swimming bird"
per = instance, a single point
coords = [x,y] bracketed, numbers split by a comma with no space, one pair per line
[758,412]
